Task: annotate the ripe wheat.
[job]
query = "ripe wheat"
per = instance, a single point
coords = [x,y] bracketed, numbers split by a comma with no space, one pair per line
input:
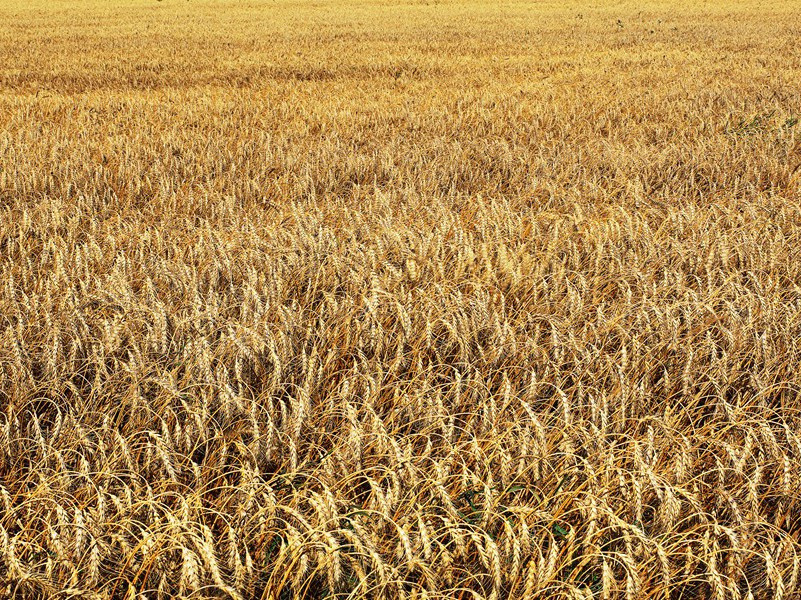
[381,300]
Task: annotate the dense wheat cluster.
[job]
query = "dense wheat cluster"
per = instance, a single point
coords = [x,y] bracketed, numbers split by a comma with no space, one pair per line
[400,300]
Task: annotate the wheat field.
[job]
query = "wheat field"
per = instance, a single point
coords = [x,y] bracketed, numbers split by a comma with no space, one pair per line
[400,300]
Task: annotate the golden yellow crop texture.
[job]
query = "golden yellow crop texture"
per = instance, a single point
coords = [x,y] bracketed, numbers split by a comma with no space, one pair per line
[400,300]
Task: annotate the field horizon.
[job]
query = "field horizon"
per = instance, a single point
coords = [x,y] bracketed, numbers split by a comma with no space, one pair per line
[437,299]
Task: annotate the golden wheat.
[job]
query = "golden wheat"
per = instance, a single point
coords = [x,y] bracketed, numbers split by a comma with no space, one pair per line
[379,300]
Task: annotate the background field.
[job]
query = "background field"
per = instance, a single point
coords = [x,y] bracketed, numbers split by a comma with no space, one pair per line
[381,300]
